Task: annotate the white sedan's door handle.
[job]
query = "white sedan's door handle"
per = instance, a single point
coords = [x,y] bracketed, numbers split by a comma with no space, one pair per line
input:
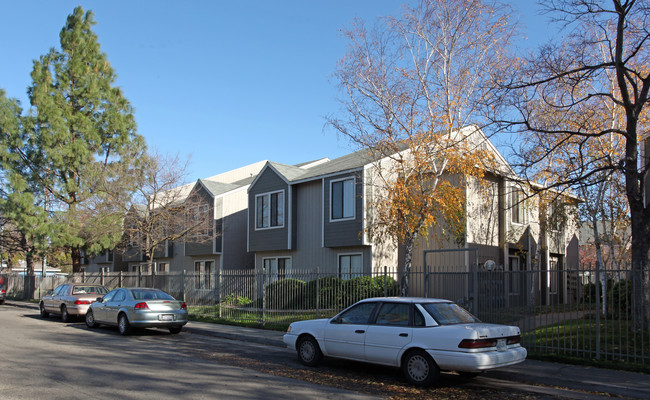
[359,331]
[404,335]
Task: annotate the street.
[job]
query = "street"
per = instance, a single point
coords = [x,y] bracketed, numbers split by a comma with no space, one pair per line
[54,360]
[46,358]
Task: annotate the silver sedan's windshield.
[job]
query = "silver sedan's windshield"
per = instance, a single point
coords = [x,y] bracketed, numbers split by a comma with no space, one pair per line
[449,313]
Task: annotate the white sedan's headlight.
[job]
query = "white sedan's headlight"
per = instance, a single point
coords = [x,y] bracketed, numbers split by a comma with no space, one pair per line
[289,329]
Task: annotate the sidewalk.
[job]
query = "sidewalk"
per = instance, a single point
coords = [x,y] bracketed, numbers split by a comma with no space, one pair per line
[617,383]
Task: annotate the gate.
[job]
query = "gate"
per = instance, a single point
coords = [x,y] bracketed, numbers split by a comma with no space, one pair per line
[452,275]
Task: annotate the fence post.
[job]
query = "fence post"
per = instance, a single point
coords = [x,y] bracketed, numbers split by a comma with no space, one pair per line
[101,276]
[385,281]
[426,280]
[598,292]
[220,283]
[317,292]
[119,280]
[183,285]
[475,288]
[263,296]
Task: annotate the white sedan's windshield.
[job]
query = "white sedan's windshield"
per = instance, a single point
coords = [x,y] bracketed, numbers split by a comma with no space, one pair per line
[449,313]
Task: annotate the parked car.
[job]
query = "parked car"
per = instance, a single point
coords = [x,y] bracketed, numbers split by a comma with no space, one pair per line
[70,300]
[129,308]
[421,336]
[3,294]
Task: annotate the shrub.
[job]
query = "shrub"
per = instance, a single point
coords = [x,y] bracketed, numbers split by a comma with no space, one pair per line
[329,295]
[236,300]
[285,294]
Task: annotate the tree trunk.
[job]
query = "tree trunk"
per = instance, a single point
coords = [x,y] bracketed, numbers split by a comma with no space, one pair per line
[408,258]
[75,254]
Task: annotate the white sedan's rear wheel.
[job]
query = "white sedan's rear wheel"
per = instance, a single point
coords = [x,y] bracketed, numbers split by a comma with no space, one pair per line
[419,368]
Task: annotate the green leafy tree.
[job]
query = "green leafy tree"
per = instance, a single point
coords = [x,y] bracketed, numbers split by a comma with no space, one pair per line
[78,137]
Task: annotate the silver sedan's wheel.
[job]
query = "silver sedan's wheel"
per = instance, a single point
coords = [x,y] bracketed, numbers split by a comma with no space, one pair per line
[309,352]
[65,316]
[90,320]
[419,368]
[175,329]
[123,325]
[41,308]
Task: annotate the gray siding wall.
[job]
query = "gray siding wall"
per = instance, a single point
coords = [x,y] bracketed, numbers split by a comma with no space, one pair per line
[235,220]
[273,238]
[205,244]
[343,233]
[218,224]
[309,253]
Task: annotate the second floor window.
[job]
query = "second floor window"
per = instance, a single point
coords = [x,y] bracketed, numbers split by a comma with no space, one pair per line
[343,199]
[517,210]
[269,209]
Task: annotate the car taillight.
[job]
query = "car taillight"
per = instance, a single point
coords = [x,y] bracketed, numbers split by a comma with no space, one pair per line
[183,306]
[141,306]
[477,343]
[77,302]
[513,339]
[2,291]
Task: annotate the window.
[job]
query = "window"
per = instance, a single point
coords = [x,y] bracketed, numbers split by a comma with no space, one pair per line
[553,275]
[350,266]
[394,314]
[517,209]
[277,268]
[162,267]
[199,222]
[514,275]
[203,274]
[342,199]
[449,313]
[359,314]
[269,210]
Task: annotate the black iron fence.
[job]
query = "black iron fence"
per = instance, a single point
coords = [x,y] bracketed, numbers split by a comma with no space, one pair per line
[584,312]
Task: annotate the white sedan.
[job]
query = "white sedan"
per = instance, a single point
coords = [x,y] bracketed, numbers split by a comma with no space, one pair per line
[422,336]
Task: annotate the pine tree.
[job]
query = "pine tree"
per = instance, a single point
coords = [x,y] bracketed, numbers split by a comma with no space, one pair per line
[81,133]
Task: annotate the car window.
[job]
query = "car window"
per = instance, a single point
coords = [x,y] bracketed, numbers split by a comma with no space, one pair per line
[418,318]
[396,314]
[359,314]
[89,290]
[59,290]
[150,294]
[449,313]
[120,295]
[110,295]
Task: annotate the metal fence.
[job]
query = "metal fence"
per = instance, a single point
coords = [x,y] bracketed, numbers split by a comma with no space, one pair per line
[583,313]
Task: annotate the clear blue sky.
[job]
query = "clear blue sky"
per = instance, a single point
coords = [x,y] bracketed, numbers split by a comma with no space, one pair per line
[228,83]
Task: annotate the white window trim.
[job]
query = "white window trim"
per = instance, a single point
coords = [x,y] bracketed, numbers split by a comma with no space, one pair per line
[338,262]
[354,202]
[521,205]
[284,207]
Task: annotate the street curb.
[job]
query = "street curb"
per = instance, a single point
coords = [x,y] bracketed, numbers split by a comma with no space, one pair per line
[232,336]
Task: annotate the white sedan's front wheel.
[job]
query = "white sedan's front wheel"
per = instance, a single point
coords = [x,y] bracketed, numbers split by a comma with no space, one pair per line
[309,352]
[419,368]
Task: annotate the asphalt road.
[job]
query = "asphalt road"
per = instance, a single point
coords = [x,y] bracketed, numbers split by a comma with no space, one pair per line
[48,359]
[45,358]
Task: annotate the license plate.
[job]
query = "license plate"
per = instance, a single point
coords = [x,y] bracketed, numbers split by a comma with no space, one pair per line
[501,345]
[166,317]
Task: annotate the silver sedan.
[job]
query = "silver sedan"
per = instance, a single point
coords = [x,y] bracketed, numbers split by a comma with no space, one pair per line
[70,300]
[129,308]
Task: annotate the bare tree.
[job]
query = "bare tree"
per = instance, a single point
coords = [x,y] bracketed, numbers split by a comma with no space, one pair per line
[163,209]
[413,88]
[591,87]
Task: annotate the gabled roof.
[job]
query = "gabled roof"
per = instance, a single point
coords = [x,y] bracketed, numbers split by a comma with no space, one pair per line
[217,188]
